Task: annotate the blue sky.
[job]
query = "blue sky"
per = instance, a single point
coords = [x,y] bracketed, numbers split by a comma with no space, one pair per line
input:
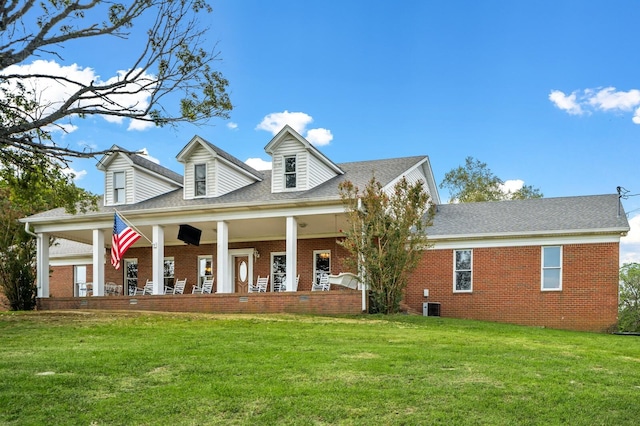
[545,92]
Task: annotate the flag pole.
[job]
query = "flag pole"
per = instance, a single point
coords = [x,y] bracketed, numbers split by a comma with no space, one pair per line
[125,220]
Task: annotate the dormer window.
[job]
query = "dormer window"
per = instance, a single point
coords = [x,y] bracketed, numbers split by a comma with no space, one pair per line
[118,188]
[290,172]
[200,172]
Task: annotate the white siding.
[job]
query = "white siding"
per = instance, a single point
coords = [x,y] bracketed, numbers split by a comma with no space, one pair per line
[129,186]
[119,164]
[148,186]
[415,176]
[277,176]
[412,177]
[310,170]
[229,179]
[288,147]
[139,184]
[318,172]
[199,156]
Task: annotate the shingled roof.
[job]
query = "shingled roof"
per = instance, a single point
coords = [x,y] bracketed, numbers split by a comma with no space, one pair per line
[231,159]
[140,161]
[566,215]
[260,192]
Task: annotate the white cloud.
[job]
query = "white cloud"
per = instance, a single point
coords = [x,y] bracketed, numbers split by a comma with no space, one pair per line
[144,152]
[51,94]
[606,99]
[319,137]
[565,103]
[511,185]
[299,121]
[62,128]
[258,163]
[231,125]
[630,244]
[140,125]
[275,121]
[91,146]
[77,175]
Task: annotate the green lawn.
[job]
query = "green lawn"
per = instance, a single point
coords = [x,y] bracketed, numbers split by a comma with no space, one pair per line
[107,368]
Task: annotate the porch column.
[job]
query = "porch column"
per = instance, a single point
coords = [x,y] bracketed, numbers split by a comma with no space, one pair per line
[42,265]
[223,275]
[98,262]
[157,259]
[292,252]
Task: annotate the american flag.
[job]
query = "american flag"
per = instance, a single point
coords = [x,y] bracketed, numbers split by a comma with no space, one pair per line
[123,238]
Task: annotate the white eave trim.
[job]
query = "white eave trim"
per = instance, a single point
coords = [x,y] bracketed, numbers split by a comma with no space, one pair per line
[300,207]
[520,240]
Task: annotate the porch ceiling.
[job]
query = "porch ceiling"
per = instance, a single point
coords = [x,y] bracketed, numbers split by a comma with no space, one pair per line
[312,226]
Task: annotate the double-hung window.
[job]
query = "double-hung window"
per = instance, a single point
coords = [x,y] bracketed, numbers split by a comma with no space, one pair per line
[130,276]
[552,268]
[290,172]
[278,269]
[200,179]
[321,264]
[205,268]
[169,268]
[118,188]
[462,271]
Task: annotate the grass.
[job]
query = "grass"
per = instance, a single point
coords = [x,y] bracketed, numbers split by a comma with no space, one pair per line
[106,368]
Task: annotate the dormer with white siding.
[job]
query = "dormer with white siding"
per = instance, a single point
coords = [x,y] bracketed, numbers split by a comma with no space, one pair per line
[296,164]
[211,172]
[421,171]
[131,178]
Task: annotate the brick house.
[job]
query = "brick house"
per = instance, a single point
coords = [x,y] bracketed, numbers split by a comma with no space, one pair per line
[546,262]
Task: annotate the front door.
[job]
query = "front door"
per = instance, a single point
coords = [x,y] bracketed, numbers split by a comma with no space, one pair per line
[241,274]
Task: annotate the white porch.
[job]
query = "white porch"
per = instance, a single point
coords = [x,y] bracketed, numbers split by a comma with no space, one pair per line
[221,230]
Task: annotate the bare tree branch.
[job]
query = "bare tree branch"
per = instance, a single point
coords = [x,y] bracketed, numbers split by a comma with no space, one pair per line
[172,60]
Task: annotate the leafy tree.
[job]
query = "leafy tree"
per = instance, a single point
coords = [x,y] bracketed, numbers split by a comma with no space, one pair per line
[386,234]
[475,182]
[24,192]
[629,308]
[173,60]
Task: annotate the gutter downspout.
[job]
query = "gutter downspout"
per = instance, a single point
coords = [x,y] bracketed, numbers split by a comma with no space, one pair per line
[28,231]
[361,273]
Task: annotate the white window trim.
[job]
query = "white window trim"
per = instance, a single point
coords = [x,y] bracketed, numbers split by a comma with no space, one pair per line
[456,270]
[543,268]
[125,285]
[284,173]
[201,257]
[195,181]
[315,253]
[271,274]
[77,283]
[164,277]
[124,188]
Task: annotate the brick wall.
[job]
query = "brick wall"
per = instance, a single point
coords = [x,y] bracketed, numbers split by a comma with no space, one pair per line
[338,302]
[186,260]
[506,287]
[61,280]
[506,281]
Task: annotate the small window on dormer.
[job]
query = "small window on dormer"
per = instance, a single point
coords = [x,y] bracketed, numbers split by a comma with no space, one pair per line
[200,180]
[118,188]
[290,172]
